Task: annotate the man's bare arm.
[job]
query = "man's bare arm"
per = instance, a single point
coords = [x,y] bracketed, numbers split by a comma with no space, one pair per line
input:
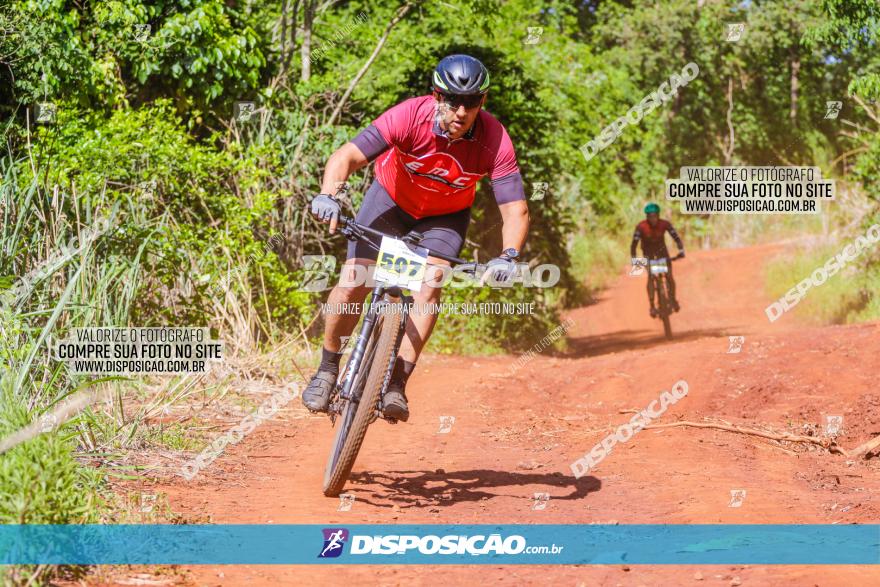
[345,161]
[515,228]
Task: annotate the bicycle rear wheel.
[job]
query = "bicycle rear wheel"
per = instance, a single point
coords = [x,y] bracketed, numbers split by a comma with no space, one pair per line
[360,413]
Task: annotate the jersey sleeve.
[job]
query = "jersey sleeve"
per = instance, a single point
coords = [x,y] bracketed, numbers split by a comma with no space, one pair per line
[674,236]
[370,142]
[508,189]
[504,162]
[637,236]
[504,174]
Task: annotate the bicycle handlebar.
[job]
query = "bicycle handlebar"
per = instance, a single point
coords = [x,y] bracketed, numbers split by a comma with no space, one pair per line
[354,231]
[680,255]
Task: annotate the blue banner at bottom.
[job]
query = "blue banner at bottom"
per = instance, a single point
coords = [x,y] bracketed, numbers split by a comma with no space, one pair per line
[441,544]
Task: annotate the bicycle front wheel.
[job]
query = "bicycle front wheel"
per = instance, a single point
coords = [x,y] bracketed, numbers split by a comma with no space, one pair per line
[359,413]
[663,307]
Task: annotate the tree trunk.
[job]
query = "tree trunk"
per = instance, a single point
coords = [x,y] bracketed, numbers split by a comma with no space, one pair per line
[795,68]
[308,17]
[731,141]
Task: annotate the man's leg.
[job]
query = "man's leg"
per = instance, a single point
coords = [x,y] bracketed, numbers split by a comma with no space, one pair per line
[421,323]
[418,330]
[671,287]
[378,211]
[443,234]
[344,305]
[653,309]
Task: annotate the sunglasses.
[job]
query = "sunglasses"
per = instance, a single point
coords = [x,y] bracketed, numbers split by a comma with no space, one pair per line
[466,101]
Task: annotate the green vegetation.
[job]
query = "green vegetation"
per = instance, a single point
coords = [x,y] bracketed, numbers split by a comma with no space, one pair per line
[850,296]
[145,134]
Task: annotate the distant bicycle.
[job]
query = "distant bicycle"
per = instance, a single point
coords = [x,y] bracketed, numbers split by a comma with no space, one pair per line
[658,270]
[651,233]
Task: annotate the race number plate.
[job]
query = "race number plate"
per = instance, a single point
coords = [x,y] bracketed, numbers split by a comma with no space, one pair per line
[658,266]
[399,265]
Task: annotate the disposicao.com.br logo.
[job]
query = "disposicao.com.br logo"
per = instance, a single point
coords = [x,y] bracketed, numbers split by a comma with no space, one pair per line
[480,544]
[334,541]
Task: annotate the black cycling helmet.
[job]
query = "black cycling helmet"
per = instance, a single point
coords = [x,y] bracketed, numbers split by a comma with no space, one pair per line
[461,75]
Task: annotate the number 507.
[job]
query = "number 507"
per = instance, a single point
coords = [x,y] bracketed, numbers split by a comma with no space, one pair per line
[400,265]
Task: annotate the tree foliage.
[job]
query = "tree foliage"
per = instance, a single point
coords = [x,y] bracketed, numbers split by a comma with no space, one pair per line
[159,81]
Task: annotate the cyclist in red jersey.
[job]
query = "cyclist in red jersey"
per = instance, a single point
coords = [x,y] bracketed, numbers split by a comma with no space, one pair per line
[651,232]
[430,152]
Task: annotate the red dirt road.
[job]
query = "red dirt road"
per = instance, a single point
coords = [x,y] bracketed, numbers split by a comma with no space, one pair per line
[515,435]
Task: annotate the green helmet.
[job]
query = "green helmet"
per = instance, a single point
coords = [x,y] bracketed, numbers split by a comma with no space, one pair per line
[652,208]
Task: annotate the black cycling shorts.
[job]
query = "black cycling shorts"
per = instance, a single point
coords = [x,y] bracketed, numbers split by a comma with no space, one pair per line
[443,234]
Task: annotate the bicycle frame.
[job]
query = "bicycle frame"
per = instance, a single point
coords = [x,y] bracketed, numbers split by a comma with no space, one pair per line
[374,307]
[354,231]
[659,280]
[658,283]
[376,341]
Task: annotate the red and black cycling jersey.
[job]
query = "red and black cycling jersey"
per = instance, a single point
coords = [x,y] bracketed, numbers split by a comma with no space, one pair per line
[428,174]
[652,238]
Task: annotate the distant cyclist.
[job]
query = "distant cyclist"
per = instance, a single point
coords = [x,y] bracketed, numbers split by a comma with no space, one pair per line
[430,153]
[651,232]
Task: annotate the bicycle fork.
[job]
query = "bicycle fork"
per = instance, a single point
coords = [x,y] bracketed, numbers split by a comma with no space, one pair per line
[376,306]
[357,355]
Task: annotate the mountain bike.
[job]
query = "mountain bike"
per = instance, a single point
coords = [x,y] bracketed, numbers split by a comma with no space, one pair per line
[658,269]
[357,397]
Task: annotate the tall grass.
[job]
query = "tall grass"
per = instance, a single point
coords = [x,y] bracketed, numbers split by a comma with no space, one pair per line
[850,296]
[597,259]
[56,273]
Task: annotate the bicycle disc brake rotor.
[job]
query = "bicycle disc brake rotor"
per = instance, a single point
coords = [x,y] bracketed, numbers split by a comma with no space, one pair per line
[335,408]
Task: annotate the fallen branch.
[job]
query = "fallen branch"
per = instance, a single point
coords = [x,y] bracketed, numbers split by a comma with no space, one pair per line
[824,442]
[867,449]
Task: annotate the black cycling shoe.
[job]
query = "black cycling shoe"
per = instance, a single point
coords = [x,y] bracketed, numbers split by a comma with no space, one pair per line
[675,306]
[653,312]
[394,403]
[316,397]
